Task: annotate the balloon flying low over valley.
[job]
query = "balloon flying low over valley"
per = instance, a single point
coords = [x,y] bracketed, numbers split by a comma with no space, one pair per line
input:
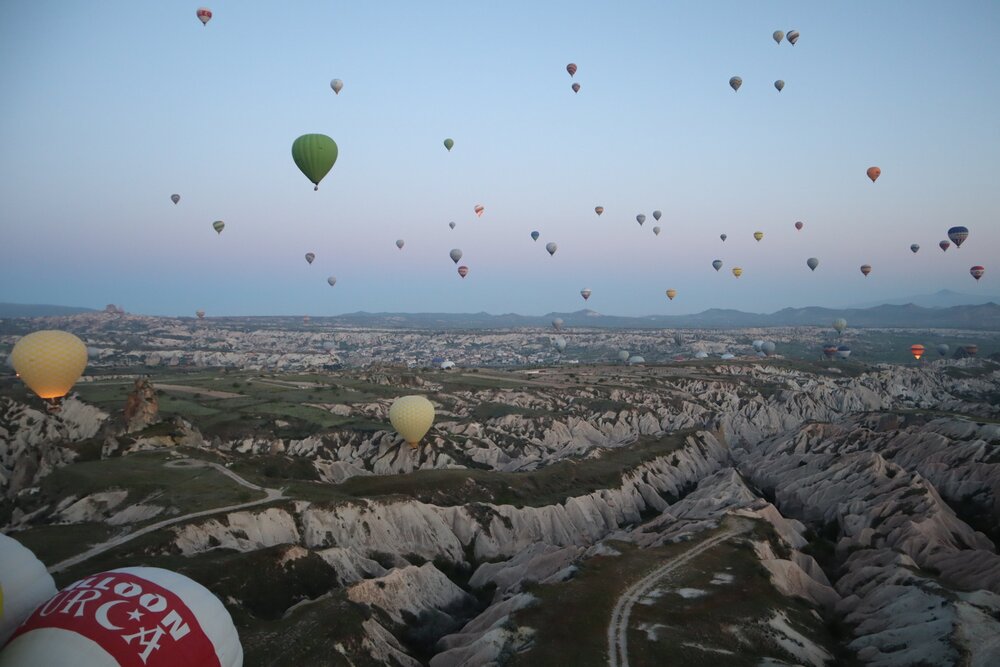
[132,130]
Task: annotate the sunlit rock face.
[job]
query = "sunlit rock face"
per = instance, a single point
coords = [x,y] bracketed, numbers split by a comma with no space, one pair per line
[141,406]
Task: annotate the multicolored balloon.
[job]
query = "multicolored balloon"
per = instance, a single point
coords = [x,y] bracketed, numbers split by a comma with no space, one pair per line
[737,271]
[944,245]
[735,83]
[671,293]
[874,173]
[204,15]
[971,350]
[977,272]
[200,314]
[958,235]
[585,293]
[792,36]
[758,236]
[24,585]
[314,155]
[218,226]
[571,68]
[575,87]
[866,269]
[463,270]
[479,208]
[598,210]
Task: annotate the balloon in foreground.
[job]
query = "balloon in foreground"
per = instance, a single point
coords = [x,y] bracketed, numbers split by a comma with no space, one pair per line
[656,215]
[175,198]
[585,293]
[944,245]
[400,243]
[24,584]
[557,323]
[758,235]
[218,226]
[717,264]
[840,324]
[571,68]
[576,87]
[737,271]
[778,36]
[671,293]
[812,263]
[449,143]
[200,314]
[723,237]
[917,351]
[412,417]
[49,362]
[310,256]
[452,225]
[534,236]
[314,155]
[779,84]
[551,248]
[623,355]
[958,235]
[866,269]
[656,230]
[598,210]
[479,208]
[793,36]
[799,226]
[455,255]
[735,83]
[874,173]
[331,281]
[131,616]
[914,247]
[977,272]
[640,218]
[463,270]
[204,15]
[337,86]
[943,349]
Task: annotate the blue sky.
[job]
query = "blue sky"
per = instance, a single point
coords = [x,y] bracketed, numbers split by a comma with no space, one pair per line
[111,107]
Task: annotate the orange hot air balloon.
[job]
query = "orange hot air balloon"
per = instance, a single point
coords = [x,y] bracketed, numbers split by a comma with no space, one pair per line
[671,293]
[571,68]
[463,270]
[917,351]
[479,210]
[866,269]
[598,210]
[874,173]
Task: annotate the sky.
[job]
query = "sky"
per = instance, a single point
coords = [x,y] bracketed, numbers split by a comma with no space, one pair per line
[110,107]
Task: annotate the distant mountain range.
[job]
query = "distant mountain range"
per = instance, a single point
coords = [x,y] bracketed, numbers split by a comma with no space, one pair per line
[908,316]
[944,299]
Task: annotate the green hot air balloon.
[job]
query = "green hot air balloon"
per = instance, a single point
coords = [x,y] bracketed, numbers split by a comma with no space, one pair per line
[449,143]
[218,226]
[314,155]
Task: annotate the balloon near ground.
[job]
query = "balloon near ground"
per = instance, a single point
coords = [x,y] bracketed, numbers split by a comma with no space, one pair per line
[314,155]
[917,351]
[874,173]
[24,584]
[557,324]
[943,349]
[49,362]
[412,417]
[90,621]
[200,314]
[839,325]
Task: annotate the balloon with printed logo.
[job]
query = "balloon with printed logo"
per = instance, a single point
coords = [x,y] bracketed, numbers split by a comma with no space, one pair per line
[49,362]
[812,263]
[958,235]
[571,68]
[735,83]
[866,269]
[175,198]
[717,264]
[24,584]
[671,293]
[585,293]
[204,15]
[463,270]
[129,617]
[874,173]
[534,236]
[778,35]
[218,226]
[314,155]
[337,86]
[977,272]
[551,248]
[944,245]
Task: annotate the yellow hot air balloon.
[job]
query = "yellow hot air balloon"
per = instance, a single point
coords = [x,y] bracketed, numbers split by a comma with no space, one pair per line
[758,235]
[412,417]
[49,362]
[671,293]
[737,271]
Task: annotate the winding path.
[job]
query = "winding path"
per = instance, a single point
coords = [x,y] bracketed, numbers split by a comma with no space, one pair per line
[618,628]
[270,496]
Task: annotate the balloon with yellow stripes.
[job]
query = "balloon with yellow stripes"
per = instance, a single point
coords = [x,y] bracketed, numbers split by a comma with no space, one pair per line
[49,362]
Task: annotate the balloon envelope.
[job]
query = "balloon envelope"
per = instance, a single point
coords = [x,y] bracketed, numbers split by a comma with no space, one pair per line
[412,417]
[799,226]
[585,293]
[559,343]
[204,15]
[656,230]
[314,155]
[452,225]
[944,245]
[24,584]
[723,237]
[310,256]
[218,226]
[737,271]
[623,355]
[175,198]
[779,84]
[977,272]
[576,87]
[866,269]
[640,218]
[463,270]
[449,143]
[598,210]
[331,281]
[657,214]
[717,264]
[551,248]
[671,293]
[758,235]
[571,68]
[778,35]
[943,349]
[874,173]
[49,362]
[917,351]
[840,324]
[843,351]
[200,314]
[812,263]
[534,236]
[400,243]
[735,83]
[478,209]
[792,36]
[455,255]
[767,348]
[914,247]
[337,86]
[958,235]
[557,323]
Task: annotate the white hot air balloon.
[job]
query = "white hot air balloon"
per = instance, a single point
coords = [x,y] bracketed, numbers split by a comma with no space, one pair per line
[24,584]
[337,85]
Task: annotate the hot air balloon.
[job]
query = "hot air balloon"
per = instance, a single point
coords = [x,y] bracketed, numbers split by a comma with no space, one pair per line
[943,349]
[218,226]
[331,281]
[24,584]
[479,208]
[455,255]
[874,173]
[843,352]
[640,218]
[656,215]
[337,86]
[534,236]
[571,68]
[557,324]
[757,345]
[463,270]
[551,248]
[767,348]
[812,263]
[958,235]
[866,269]
[130,616]
[944,245]
[829,351]
[560,344]
[723,237]
[737,271]
[449,143]
[204,15]
[735,83]
[799,226]
[575,87]
[917,350]
[623,355]
[671,293]
[717,264]
[49,362]
[758,235]
[400,243]
[598,210]
[452,225]
[200,314]
[914,248]
[971,350]
[585,293]
[656,230]
[792,36]
[175,198]
[779,84]
[310,256]
[839,325]
[778,36]
[314,155]
[412,417]
[977,272]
